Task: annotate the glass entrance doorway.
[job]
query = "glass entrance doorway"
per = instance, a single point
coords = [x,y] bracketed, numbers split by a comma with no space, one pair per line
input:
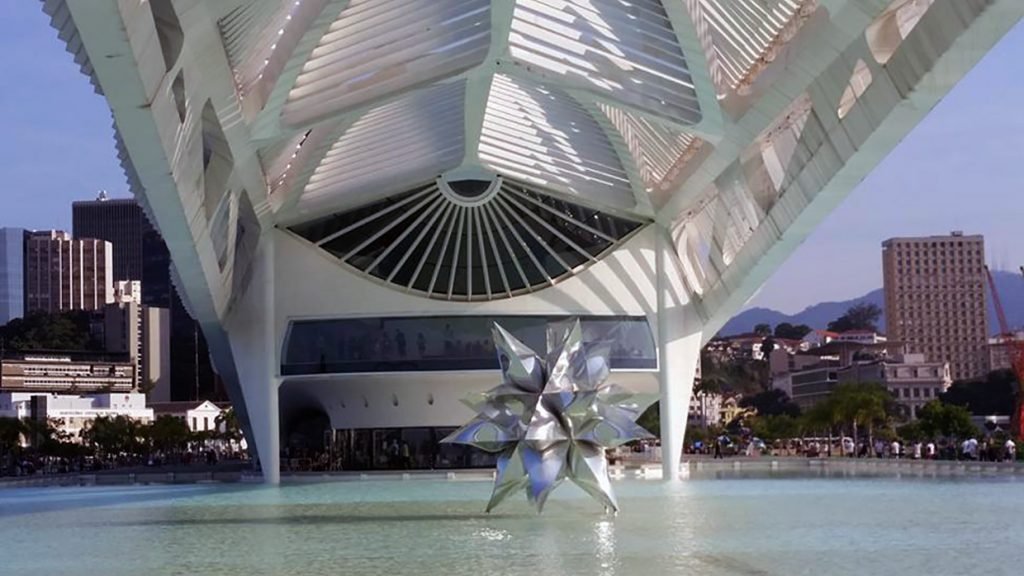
[403,449]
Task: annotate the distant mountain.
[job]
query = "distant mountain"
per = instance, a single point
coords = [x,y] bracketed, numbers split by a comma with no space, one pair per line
[1010,286]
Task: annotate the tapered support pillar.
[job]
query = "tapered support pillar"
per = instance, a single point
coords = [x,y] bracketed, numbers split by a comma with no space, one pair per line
[679,341]
[262,402]
[254,346]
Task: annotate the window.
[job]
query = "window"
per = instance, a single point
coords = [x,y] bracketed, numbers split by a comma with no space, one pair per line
[444,343]
[168,31]
[859,82]
[218,161]
[178,94]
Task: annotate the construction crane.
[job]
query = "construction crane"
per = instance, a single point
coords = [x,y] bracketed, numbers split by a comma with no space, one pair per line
[1015,353]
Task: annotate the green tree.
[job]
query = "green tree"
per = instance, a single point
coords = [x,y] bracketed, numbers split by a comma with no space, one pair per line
[147,386]
[863,405]
[823,417]
[697,434]
[773,402]
[763,330]
[911,432]
[227,422]
[939,419]
[863,316]
[111,436]
[775,427]
[45,435]
[168,434]
[792,332]
[43,331]
[11,431]
[995,394]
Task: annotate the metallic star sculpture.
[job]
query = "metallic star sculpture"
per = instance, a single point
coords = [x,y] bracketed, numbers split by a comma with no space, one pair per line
[551,420]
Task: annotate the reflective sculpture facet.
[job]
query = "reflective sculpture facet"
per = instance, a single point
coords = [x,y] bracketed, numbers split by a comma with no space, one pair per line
[552,419]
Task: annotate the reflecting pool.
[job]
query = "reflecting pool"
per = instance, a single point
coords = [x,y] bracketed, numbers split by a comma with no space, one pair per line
[749,525]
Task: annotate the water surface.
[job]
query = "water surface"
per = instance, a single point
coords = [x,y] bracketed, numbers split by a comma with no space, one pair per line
[784,525]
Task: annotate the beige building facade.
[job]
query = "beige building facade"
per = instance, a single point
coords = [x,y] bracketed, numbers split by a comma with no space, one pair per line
[144,333]
[66,372]
[911,379]
[935,299]
[62,273]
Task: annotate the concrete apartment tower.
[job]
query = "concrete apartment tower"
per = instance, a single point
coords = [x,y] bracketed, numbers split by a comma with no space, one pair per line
[935,299]
[66,274]
[144,333]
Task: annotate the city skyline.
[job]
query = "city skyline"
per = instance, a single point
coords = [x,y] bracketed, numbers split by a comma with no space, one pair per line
[54,108]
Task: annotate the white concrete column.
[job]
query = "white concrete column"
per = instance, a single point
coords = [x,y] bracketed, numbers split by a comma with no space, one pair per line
[264,415]
[679,341]
[251,332]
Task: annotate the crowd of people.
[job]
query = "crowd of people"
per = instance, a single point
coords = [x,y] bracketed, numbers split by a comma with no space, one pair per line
[29,462]
[986,450]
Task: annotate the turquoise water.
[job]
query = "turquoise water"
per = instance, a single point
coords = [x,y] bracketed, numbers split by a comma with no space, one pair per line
[764,526]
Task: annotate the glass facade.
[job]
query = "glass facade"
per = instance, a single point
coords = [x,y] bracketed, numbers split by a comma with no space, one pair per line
[118,221]
[410,344]
[387,449]
[12,274]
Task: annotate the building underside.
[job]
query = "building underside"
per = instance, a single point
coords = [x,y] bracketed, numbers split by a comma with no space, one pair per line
[352,189]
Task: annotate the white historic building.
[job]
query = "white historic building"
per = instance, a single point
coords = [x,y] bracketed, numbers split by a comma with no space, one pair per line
[351,190]
[200,416]
[71,413]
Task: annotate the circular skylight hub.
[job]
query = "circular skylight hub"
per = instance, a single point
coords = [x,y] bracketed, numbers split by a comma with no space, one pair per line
[469,188]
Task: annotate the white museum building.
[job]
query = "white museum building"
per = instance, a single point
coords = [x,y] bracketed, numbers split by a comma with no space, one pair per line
[353,190]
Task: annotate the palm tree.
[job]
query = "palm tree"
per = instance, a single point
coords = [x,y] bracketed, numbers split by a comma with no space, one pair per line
[864,404]
[824,415]
[147,386]
[42,434]
[228,420]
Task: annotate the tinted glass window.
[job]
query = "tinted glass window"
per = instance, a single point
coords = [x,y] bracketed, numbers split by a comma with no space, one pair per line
[445,343]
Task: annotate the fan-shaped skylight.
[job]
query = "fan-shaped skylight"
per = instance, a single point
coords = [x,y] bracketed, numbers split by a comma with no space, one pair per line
[469,240]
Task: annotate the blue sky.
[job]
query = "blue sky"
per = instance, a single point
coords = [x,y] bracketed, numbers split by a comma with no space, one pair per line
[960,169]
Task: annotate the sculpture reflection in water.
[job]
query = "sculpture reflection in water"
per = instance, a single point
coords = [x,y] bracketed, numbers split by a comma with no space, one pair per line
[552,419]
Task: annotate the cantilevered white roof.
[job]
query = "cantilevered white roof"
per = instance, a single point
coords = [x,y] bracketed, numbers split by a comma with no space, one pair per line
[593,99]
[511,127]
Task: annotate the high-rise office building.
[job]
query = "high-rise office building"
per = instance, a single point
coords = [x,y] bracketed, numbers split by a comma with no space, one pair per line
[12,274]
[935,299]
[118,221]
[62,273]
[139,250]
[141,254]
